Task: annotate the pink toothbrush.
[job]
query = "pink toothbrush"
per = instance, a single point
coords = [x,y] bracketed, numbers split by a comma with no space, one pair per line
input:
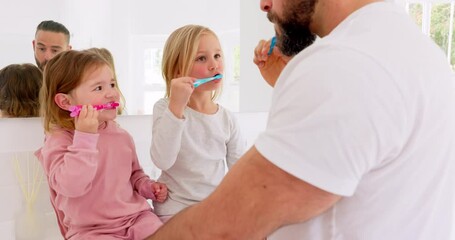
[75,110]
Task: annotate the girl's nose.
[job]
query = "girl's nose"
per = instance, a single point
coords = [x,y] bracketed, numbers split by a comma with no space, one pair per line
[213,64]
[112,93]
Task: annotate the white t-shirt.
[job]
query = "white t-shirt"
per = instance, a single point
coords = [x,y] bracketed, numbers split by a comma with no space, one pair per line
[193,153]
[368,113]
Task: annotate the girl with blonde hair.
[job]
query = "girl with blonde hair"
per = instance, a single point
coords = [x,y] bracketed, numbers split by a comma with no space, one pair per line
[193,138]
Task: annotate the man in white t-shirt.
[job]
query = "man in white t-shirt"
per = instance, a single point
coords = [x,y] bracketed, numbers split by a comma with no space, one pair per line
[360,141]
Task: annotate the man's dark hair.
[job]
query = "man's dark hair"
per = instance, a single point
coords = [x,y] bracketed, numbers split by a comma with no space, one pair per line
[52,26]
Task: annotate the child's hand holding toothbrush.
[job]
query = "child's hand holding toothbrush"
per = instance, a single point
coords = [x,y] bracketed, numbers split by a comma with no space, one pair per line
[87,121]
[180,92]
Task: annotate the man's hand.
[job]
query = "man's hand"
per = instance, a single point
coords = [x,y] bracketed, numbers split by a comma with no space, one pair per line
[271,65]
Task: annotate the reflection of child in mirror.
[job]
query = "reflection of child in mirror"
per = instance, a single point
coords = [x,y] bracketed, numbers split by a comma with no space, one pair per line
[193,137]
[19,90]
[98,188]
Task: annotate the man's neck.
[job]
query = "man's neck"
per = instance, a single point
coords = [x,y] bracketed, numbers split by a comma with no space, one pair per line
[330,13]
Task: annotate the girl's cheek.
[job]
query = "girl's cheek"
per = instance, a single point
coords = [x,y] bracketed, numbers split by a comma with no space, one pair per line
[197,74]
[199,69]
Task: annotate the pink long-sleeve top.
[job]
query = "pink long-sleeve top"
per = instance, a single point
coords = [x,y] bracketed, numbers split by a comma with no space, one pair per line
[95,180]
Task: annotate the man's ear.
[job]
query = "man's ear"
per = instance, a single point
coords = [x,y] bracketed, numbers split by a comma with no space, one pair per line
[62,100]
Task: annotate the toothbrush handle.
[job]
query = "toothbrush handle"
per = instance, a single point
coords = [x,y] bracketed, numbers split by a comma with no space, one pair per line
[200,81]
[75,110]
[272,45]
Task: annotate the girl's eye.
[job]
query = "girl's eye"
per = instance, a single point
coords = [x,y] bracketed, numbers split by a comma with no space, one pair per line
[99,88]
[113,85]
[201,58]
[217,56]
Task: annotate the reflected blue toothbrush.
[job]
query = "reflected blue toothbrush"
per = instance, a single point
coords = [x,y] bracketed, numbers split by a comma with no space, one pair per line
[272,45]
[200,81]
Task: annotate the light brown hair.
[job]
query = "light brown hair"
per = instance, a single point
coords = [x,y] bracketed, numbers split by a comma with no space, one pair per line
[19,90]
[62,74]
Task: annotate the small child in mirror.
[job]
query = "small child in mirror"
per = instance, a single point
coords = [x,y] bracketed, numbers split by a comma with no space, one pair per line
[19,90]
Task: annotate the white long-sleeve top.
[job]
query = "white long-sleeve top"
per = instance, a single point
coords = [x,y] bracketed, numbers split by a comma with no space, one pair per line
[192,153]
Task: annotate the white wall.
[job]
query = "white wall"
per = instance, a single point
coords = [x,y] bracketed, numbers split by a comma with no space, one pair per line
[254,26]
[104,22]
[19,19]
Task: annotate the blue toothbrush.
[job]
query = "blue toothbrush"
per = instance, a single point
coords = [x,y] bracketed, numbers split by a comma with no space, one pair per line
[200,81]
[272,45]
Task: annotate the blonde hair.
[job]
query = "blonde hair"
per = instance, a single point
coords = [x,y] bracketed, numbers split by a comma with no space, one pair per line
[180,52]
[19,90]
[106,54]
[62,74]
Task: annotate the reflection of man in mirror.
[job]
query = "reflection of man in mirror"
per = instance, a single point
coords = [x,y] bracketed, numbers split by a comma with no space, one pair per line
[51,38]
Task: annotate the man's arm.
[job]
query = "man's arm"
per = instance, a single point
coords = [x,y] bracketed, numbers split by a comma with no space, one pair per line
[253,200]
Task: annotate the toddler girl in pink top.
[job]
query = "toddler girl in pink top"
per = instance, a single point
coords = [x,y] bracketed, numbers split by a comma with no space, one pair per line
[98,189]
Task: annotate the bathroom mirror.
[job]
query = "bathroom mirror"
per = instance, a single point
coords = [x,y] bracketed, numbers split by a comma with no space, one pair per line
[134,31]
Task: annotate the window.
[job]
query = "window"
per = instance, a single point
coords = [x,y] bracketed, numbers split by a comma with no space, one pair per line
[436,20]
